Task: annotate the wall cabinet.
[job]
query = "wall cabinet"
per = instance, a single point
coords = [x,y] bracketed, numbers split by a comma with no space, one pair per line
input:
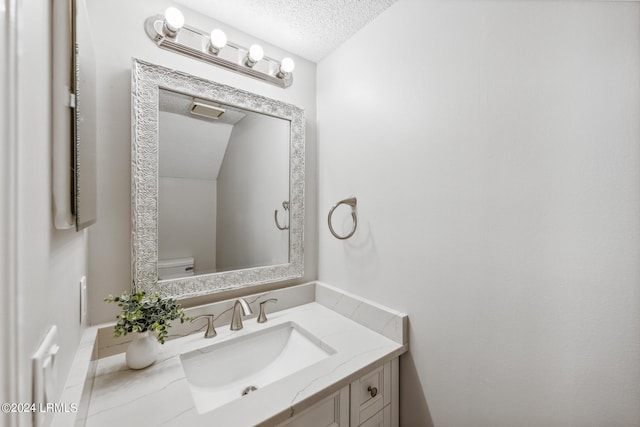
[369,401]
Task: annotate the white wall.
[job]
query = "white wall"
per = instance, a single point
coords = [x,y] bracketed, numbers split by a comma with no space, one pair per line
[253,182]
[109,239]
[48,263]
[494,148]
[187,221]
[189,159]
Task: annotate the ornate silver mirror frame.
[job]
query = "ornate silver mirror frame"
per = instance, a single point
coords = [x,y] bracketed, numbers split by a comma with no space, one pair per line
[147,79]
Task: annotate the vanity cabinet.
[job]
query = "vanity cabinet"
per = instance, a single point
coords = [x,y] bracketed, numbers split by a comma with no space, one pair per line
[333,411]
[374,397]
[380,419]
[369,401]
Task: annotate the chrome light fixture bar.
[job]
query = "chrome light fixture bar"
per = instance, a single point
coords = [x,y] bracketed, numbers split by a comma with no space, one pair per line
[169,32]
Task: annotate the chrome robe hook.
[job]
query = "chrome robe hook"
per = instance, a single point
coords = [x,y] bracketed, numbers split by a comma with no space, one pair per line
[285,205]
[351,201]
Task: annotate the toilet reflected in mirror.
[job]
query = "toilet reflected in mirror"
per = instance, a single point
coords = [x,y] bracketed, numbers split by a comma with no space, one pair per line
[175,268]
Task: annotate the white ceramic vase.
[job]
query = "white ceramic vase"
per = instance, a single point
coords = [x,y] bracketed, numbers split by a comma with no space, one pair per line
[142,351]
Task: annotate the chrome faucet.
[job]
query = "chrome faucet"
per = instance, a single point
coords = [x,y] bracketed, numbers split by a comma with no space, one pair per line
[210,332]
[240,308]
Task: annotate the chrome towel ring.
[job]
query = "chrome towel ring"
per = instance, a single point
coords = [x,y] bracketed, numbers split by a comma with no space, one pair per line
[285,205]
[351,201]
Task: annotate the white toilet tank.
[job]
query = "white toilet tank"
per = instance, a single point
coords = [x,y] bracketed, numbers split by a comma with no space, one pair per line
[175,268]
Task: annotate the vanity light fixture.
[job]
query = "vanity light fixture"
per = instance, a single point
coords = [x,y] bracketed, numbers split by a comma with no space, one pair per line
[286,67]
[255,54]
[170,32]
[172,22]
[217,40]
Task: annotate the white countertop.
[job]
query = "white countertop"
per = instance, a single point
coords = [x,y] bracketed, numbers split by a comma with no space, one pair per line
[160,396]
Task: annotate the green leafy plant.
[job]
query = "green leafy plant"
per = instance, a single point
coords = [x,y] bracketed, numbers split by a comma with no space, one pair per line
[141,313]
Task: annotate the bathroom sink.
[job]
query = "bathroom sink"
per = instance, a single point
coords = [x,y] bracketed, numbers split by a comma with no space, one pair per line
[226,371]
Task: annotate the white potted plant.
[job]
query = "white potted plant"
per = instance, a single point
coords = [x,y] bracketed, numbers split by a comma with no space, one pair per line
[145,314]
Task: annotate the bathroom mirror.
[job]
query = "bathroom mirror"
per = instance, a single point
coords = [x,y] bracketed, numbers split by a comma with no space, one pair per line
[85,203]
[217,185]
[74,165]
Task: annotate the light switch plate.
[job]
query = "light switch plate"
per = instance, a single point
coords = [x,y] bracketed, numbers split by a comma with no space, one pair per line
[83,301]
[44,374]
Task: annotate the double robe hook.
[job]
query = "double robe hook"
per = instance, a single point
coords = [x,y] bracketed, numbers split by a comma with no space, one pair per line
[351,201]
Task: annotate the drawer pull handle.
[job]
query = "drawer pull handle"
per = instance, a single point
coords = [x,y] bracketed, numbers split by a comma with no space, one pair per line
[373,391]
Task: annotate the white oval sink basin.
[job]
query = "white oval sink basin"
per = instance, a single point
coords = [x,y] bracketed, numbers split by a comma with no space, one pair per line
[220,373]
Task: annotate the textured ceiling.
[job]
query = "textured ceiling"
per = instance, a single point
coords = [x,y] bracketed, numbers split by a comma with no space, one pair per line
[308,28]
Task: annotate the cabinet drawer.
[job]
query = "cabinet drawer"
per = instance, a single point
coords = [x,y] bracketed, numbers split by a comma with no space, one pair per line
[380,419]
[371,387]
[330,412]
[370,394]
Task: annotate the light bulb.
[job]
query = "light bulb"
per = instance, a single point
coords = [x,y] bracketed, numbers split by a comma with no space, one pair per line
[173,21]
[287,65]
[256,53]
[218,40]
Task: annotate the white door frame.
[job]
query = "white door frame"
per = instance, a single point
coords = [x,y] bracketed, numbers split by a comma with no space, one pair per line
[8,211]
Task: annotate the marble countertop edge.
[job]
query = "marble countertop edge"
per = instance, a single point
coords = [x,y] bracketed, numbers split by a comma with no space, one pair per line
[77,388]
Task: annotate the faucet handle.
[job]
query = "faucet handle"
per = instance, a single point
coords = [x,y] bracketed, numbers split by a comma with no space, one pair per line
[210,332]
[262,318]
